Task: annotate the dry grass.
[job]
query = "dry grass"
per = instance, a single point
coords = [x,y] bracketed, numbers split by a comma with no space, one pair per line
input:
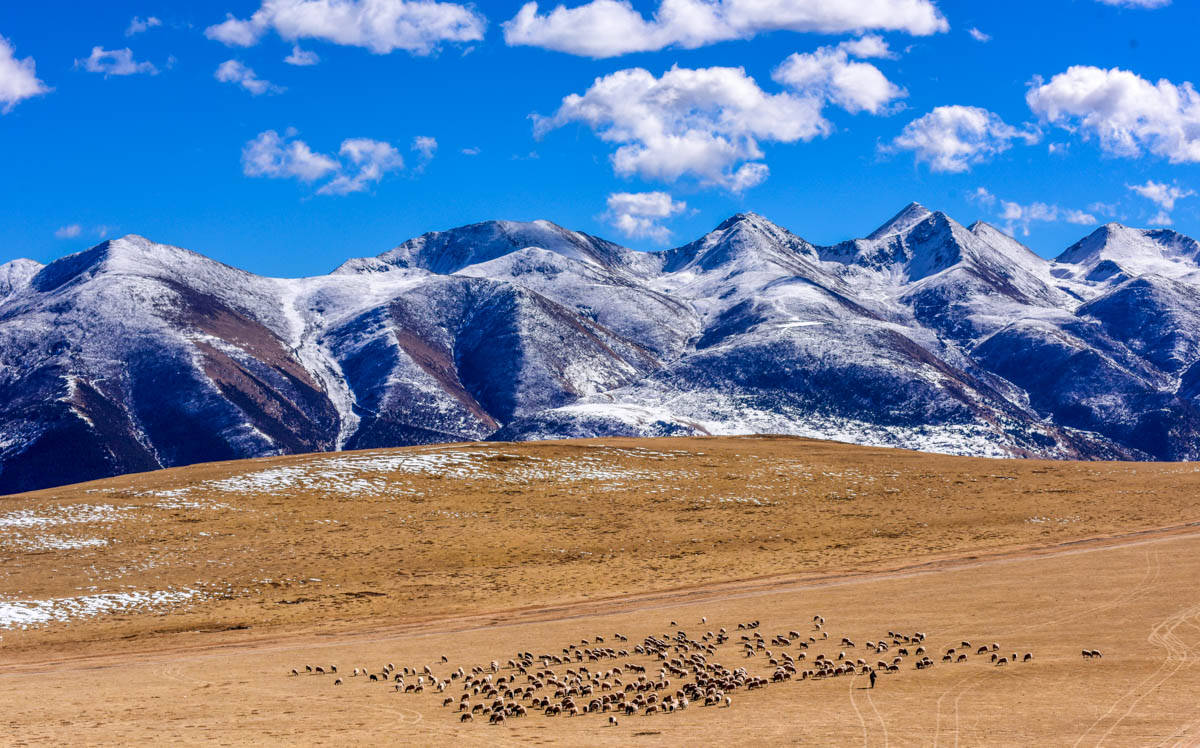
[480,550]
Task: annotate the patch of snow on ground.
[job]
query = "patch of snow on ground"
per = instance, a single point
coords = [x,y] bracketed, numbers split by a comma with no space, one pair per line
[25,614]
[51,543]
[64,515]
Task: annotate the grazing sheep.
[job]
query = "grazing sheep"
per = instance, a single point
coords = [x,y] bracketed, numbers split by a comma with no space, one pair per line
[728,702]
[466,717]
[337,682]
[295,671]
[1028,656]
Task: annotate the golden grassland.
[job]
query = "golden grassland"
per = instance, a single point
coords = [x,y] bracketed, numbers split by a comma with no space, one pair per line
[477,551]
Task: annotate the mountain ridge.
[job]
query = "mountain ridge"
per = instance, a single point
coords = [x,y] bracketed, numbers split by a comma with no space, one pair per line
[925,334]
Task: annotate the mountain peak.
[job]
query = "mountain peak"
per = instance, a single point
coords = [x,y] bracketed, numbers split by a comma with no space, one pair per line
[910,216]
[449,251]
[745,217]
[1138,251]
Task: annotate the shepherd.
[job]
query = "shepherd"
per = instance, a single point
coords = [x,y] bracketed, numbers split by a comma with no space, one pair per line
[873,676]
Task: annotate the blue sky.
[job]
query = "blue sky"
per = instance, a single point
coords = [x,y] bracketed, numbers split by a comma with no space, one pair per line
[1044,120]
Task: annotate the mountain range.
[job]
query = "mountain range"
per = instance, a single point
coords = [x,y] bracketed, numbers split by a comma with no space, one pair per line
[926,334]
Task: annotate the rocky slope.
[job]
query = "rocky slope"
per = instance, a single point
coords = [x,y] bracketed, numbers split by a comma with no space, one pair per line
[926,334]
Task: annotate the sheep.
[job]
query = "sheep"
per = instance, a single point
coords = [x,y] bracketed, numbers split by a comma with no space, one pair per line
[466,717]
[728,702]
[295,671]
[337,682]
[612,721]
[1028,656]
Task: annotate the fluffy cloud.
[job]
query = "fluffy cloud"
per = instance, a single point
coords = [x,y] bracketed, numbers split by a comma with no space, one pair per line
[707,123]
[1137,4]
[138,25]
[18,78]
[639,215]
[232,71]
[382,26]
[607,28]
[426,146]
[1020,216]
[284,157]
[952,138]
[301,57]
[361,161]
[68,232]
[1161,194]
[830,74]
[1164,196]
[978,35]
[115,62]
[1126,113]
[371,159]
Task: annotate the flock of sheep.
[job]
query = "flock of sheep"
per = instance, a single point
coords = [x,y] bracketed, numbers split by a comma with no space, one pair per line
[596,675]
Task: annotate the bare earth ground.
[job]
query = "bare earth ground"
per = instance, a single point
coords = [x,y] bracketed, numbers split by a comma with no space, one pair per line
[171,606]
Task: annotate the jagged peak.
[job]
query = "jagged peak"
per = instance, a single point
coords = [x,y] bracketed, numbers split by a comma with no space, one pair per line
[909,216]
[747,217]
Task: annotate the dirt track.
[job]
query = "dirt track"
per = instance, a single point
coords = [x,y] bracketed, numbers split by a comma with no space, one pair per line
[1047,558]
[1130,597]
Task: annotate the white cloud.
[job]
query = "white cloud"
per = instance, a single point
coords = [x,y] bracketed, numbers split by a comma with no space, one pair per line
[373,158]
[115,62]
[233,71]
[639,215]
[68,232]
[425,145]
[234,32]
[360,161]
[18,78]
[607,28]
[1126,113]
[978,35]
[1020,216]
[382,26]
[472,151]
[1137,3]
[301,57]
[705,123]
[138,25]
[1161,194]
[953,138]
[828,73]
[983,197]
[270,155]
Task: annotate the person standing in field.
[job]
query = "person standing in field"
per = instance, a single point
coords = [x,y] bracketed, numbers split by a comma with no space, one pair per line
[873,676]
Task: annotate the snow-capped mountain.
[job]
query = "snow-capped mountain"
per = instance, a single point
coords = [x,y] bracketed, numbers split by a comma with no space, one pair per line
[926,334]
